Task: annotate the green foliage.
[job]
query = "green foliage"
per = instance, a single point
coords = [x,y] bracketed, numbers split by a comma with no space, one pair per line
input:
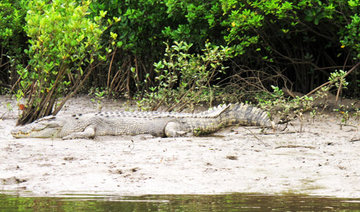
[98,95]
[194,22]
[288,108]
[12,42]
[297,36]
[285,107]
[145,25]
[338,78]
[138,23]
[62,41]
[344,115]
[64,44]
[307,38]
[11,20]
[248,21]
[184,78]
[350,34]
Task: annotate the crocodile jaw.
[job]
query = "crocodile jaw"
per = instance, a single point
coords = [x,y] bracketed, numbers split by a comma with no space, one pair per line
[43,128]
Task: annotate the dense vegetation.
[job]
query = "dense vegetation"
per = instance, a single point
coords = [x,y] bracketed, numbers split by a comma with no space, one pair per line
[172,51]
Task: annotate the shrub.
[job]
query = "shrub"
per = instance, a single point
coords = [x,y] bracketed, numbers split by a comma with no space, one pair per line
[64,46]
[186,79]
[12,40]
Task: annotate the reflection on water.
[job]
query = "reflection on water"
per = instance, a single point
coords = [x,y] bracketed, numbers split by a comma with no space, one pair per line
[227,202]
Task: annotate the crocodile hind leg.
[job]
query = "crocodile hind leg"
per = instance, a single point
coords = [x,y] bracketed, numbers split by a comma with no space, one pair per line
[176,129]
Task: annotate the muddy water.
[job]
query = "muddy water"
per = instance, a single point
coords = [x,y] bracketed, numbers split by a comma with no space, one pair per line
[228,202]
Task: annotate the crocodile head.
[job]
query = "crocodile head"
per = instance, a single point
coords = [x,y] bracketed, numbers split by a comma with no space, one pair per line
[46,127]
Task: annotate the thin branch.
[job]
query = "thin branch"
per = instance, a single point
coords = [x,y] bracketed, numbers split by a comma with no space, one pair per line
[109,72]
[58,108]
[329,82]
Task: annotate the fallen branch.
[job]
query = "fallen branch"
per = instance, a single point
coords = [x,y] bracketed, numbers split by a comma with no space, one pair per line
[295,146]
[253,134]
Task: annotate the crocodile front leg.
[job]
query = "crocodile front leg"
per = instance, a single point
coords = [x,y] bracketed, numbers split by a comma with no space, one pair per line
[89,132]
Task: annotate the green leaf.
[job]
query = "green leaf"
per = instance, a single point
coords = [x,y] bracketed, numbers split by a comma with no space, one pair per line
[103,13]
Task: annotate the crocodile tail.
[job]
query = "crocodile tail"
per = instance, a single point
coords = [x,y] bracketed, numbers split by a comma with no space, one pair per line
[213,112]
[244,114]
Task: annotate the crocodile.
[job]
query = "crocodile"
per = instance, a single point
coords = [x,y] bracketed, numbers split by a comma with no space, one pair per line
[163,124]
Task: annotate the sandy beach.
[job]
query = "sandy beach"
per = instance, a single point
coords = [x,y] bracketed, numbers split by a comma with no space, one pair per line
[315,157]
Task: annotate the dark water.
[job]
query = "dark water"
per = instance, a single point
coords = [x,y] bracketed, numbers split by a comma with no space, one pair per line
[228,202]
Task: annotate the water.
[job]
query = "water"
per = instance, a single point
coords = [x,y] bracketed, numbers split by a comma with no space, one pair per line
[227,202]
